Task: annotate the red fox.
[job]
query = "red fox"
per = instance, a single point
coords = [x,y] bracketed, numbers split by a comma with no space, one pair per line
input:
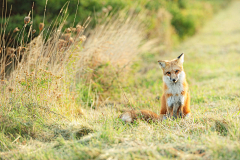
[175,100]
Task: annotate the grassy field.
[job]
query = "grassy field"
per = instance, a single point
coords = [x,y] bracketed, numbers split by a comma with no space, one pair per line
[212,67]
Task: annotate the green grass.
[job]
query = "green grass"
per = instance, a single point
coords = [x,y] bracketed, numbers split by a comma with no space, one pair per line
[213,72]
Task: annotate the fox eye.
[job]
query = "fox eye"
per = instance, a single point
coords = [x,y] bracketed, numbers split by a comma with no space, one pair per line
[176,71]
[168,73]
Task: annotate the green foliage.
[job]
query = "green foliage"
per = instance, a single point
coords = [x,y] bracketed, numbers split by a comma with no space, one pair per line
[187,16]
[184,24]
[77,11]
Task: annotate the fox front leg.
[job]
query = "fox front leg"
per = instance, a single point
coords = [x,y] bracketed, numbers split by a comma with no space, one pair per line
[169,111]
[175,109]
[181,112]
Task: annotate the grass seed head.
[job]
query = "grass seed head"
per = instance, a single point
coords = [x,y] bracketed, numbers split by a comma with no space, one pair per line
[10,51]
[66,36]
[10,89]
[12,55]
[15,30]
[20,50]
[41,25]
[105,10]
[109,8]
[67,30]
[79,28]
[73,29]
[82,38]
[71,40]
[61,44]
[27,19]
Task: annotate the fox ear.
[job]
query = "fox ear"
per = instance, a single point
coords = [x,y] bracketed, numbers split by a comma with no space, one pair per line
[181,58]
[162,64]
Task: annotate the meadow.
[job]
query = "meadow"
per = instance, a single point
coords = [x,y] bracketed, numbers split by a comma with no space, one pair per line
[62,101]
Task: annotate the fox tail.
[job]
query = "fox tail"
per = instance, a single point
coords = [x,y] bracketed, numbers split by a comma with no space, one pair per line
[146,115]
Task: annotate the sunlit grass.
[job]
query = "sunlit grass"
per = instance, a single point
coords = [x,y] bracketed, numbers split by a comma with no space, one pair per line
[37,123]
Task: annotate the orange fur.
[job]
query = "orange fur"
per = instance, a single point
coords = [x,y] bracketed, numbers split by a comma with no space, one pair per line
[185,107]
[145,115]
[175,75]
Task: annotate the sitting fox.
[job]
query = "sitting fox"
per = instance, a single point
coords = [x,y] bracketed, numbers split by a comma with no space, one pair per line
[175,101]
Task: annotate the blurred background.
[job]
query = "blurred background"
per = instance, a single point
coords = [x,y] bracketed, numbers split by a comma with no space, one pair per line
[170,21]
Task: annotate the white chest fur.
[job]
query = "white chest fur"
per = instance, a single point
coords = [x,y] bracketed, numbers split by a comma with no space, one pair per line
[175,89]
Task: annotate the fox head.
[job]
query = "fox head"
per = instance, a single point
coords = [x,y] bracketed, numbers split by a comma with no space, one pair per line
[172,70]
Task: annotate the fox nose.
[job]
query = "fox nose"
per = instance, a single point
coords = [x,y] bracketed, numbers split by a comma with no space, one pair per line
[174,80]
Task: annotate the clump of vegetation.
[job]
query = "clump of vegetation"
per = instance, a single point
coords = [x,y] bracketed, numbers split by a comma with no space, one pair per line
[108,54]
[35,97]
[167,20]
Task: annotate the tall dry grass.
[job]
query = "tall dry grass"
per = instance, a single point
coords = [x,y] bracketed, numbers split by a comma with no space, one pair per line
[35,97]
[43,81]
[110,50]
